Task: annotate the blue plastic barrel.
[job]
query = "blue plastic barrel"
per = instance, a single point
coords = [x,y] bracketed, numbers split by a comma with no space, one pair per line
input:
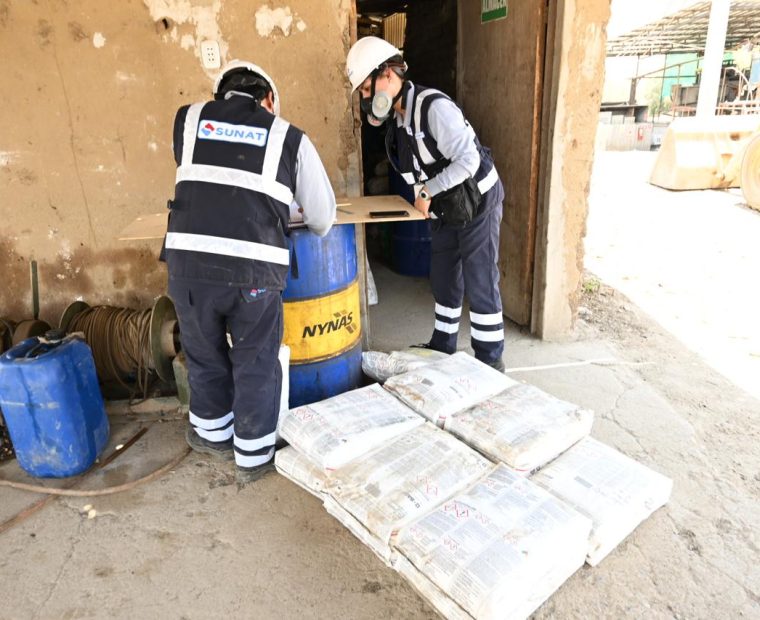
[410,241]
[53,407]
[410,247]
[322,315]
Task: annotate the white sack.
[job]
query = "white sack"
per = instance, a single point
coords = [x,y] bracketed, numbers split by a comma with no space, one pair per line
[379,548]
[615,491]
[382,366]
[429,591]
[522,427]
[299,469]
[371,286]
[335,431]
[405,479]
[443,388]
[499,549]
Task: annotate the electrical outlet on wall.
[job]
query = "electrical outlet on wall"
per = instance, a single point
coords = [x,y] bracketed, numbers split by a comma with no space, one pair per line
[210,55]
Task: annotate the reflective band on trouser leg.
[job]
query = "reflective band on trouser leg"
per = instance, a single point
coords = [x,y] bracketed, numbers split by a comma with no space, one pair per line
[447,328]
[479,244]
[450,313]
[487,336]
[216,429]
[448,288]
[254,452]
[494,318]
[251,445]
[256,330]
[260,457]
[487,333]
[447,322]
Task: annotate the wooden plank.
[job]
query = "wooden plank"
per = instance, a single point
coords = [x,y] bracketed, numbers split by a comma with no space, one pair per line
[151,226]
[358,210]
[350,211]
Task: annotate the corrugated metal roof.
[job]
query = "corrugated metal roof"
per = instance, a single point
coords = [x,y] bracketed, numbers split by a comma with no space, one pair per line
[686,31]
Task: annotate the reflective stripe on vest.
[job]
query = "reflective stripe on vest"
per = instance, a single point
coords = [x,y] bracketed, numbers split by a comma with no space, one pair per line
[236,178]
[265,183]
[227,247]
[191,128]
[488,181]
[418,133]
[425,155]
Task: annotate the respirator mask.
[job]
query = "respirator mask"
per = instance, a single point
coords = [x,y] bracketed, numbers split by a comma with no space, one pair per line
[379,104]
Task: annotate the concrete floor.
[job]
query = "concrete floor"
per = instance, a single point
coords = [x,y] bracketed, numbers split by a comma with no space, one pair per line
[196,544]
[690,259]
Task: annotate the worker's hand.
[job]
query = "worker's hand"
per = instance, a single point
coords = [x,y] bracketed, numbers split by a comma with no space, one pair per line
[422,203]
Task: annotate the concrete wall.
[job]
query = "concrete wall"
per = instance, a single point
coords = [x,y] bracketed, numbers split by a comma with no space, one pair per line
[88,101]
[571,104]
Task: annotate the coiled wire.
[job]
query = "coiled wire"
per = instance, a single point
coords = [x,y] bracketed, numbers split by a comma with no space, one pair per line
[120,343]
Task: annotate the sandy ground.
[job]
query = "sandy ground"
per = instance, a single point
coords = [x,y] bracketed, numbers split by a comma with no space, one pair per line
[689,259]
[198,544]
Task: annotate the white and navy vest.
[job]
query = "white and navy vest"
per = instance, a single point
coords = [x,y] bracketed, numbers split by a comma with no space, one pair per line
[415,154]
[236,176]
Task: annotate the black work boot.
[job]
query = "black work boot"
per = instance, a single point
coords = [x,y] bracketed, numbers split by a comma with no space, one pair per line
[219,449]
[497,365]
[245,475]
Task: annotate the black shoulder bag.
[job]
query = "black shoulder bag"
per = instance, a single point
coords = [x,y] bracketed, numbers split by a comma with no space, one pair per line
[458,206]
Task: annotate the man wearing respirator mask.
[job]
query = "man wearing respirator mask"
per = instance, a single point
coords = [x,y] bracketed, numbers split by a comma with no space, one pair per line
[434,148]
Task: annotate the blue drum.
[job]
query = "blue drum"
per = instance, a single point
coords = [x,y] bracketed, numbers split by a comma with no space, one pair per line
[322,315]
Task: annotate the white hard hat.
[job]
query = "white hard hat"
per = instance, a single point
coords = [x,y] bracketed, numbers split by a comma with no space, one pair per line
[365,56]
[242,64]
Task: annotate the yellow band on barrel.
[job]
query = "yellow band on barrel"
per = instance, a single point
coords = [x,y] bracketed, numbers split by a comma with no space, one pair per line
[321,328]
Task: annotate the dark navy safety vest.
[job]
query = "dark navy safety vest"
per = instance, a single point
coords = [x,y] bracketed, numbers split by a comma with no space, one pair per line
[414,152]
[236,175]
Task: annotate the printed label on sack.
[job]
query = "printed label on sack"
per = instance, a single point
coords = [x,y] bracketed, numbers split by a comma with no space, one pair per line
[245,134]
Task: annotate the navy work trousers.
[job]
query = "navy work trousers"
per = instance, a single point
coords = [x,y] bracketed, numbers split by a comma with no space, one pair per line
[234,391]
[464,261]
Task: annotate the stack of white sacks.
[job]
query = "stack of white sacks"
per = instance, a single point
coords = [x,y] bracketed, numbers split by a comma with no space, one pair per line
[486,494]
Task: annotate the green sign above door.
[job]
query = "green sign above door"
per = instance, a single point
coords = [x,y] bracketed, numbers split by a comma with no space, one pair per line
[491,10]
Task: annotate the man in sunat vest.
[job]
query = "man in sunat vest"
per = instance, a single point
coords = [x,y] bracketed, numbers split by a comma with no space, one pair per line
[239,168]
[434,148]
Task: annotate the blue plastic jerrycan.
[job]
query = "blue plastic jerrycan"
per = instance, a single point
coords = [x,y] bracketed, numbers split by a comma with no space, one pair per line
[52,405]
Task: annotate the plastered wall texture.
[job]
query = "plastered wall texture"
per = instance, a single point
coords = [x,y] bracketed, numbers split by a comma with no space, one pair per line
[89,94]
[577,83]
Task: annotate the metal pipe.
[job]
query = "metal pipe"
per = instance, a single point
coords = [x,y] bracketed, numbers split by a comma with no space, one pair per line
[35,291]
[714,50]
